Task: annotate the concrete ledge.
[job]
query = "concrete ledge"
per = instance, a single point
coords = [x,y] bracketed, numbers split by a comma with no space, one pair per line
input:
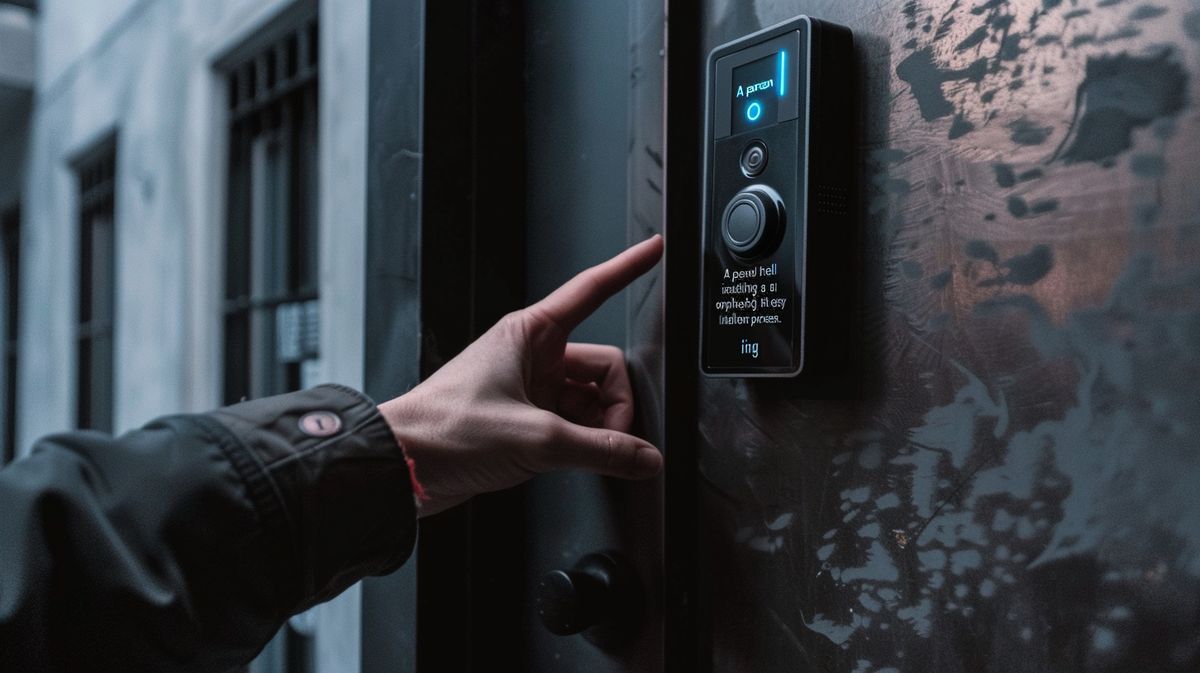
[17,46]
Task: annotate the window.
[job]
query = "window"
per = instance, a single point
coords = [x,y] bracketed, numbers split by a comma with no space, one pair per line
[271,321]
[270,308]
[10,253]
[97,288]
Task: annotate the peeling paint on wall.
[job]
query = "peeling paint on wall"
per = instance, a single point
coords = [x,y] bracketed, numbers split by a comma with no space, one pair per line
[1014,488]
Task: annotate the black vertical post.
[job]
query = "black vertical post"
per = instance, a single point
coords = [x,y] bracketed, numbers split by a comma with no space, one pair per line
[472,557]
[445,260]
[684,105]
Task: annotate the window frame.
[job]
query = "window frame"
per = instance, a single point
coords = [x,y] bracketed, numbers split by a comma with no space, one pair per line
[10,250]
[273,134]
[96,307]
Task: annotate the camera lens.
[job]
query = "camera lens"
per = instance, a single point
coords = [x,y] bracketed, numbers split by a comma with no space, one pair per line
[754,158]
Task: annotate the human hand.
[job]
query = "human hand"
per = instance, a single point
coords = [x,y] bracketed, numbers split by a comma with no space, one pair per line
[521,400]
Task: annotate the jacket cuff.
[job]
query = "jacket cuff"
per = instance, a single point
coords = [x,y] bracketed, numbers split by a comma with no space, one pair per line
[330,484]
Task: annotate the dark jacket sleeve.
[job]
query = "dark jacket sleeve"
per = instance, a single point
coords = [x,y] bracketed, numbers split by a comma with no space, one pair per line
[186,544]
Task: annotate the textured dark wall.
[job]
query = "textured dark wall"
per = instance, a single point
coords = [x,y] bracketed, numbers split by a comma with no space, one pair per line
[1014,489]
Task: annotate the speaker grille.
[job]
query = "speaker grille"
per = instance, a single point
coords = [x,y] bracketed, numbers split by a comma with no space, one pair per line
[831,200]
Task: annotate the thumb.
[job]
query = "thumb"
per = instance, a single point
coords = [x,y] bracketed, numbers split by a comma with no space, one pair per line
[603,451]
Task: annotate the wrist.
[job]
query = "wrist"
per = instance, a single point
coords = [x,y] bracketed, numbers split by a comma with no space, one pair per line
[400,419]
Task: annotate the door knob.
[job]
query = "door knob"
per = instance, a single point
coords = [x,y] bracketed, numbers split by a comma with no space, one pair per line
[600,597]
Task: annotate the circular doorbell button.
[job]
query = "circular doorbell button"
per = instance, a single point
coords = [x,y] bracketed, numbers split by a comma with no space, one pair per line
[753,222]
[754,158]
[745,222]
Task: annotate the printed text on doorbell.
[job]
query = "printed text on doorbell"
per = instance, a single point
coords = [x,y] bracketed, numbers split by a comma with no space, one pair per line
[749,297]
[750,348]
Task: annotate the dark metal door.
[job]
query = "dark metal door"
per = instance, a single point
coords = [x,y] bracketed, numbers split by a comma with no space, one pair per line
[499,166]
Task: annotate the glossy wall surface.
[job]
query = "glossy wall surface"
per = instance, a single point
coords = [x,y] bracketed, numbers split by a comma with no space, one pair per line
[1013,488]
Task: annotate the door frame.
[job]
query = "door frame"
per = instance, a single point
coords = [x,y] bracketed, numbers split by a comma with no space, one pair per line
[446,138]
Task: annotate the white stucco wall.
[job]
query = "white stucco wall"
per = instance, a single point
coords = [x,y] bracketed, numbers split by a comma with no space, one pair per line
[343,210]
[73,27]
[143,68]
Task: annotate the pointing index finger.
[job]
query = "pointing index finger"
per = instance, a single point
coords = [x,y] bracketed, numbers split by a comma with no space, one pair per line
[582,295]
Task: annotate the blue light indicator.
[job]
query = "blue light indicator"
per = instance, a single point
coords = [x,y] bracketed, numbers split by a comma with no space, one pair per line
[782,73]
[753,111]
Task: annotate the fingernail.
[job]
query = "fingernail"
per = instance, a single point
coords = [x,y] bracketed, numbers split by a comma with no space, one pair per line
[647,462]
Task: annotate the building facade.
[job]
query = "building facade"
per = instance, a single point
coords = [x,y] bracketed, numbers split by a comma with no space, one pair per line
[151,143]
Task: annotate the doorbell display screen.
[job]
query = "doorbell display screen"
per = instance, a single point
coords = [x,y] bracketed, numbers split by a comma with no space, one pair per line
[760,160]
[757,88]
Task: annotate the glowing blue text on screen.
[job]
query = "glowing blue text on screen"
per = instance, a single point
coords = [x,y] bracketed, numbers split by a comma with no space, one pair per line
[758,89]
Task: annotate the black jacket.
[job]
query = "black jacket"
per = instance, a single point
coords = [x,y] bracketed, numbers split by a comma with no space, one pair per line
[186,544]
